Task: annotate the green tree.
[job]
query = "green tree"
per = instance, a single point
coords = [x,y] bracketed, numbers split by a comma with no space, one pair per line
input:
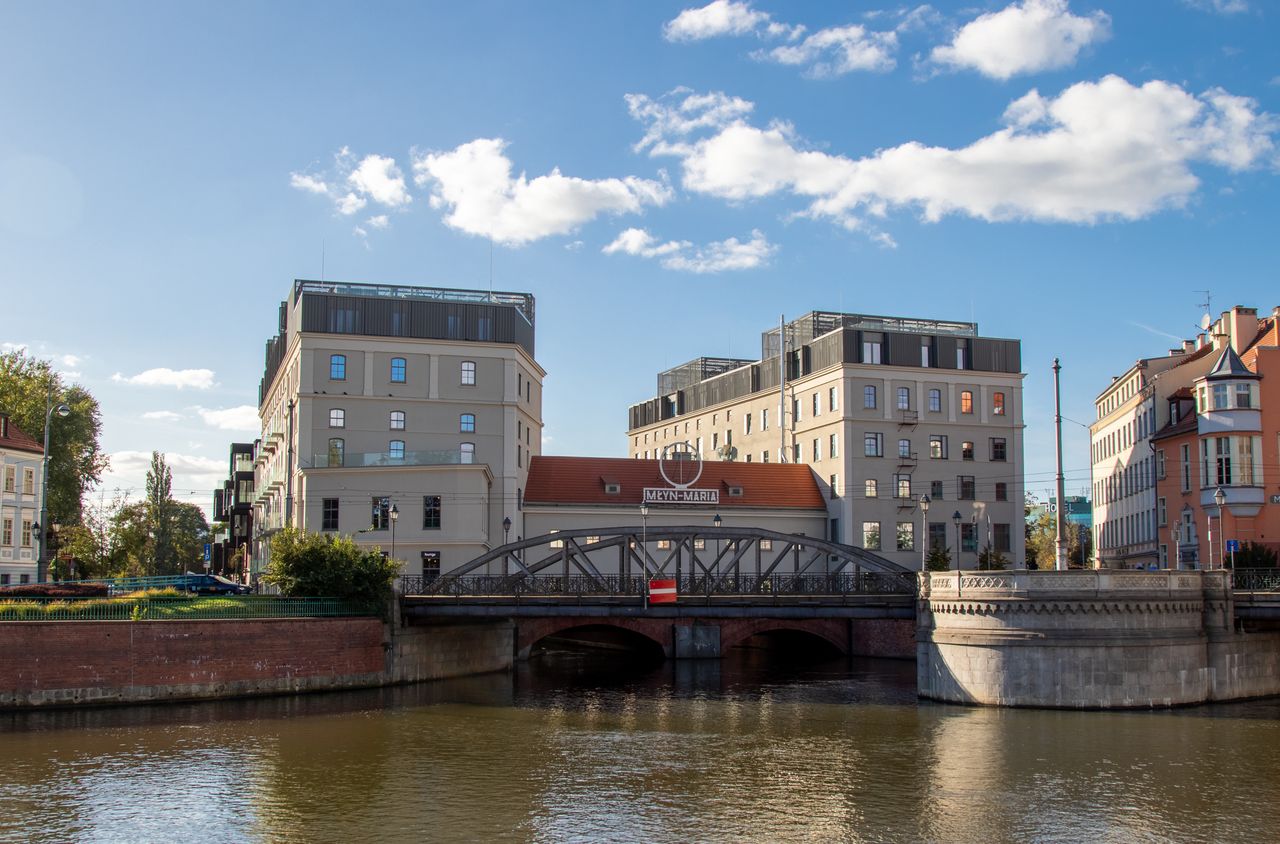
[315,564]
[1042,541]
[1254,556]
[938,558]
[76,461]
[136,544]
[161,509]
[992,560]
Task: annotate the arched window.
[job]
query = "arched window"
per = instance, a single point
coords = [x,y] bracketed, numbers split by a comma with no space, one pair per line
[397,420]
[395,450]
[997,404]
[398,369]
[966,401]
[468,373]
[869,397]
[468,453]
[337,418]
[337,448]
[337,367]
[467,423]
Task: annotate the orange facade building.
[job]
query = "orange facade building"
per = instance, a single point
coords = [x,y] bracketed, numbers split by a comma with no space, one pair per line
[1223,434]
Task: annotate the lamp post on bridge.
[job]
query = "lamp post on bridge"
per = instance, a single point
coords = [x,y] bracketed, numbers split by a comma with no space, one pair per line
[716,522]
[1220,498]
[506,539]
[957,518]
[925,501]
[395,517]
[644,550]
[63,411]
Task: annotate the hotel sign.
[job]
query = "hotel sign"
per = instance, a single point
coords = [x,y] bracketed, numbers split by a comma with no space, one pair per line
[663,495]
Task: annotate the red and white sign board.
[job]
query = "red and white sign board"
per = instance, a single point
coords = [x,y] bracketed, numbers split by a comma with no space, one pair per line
[662,591]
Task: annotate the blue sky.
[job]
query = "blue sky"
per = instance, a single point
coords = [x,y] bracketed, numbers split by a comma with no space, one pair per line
[666,178]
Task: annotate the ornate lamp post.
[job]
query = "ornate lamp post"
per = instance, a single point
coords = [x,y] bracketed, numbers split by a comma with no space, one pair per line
[957,518]
[716,522]
[1220,498]
[395,517]
[644,550]
[1176,536]
[42,562]
[925,501]
[506,538]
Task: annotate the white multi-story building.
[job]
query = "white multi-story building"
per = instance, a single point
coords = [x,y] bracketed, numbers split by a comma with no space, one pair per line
[405,416]
[20,491]
[885,410]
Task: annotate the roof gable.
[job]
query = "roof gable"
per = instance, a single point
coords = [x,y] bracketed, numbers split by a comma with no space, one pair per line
[15,439]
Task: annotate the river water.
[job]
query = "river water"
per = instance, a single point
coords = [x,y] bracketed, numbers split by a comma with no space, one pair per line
[580,747]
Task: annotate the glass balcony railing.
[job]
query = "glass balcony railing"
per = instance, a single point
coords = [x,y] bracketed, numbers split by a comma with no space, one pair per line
[333,459]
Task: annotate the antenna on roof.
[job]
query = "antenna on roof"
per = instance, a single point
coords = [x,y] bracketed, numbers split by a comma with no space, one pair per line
[1207,304]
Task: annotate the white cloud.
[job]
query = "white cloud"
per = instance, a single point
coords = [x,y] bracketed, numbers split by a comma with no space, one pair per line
[837,51]
[473,185]
[196,379]
[241,418]
[378,222]
[194,477]
[310,184]
[1099,151]
[681,112]
[350,204]
[380,179]
[573,245]
[730,254]
[721,17]
[1222,7]
[162,415]
[70,360]
[1024,37]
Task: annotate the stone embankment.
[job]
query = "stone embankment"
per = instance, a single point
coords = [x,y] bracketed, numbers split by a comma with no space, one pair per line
[1088,640]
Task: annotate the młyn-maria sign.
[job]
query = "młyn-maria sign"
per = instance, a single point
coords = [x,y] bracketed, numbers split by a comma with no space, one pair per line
[661,495]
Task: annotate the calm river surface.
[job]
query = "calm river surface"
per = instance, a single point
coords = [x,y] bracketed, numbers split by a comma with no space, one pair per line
[568,749]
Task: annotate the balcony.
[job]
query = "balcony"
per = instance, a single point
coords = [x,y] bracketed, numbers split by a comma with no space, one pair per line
[908,418]
[907,461]
[356,459]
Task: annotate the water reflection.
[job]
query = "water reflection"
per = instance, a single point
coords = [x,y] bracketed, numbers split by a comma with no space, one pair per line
[582,747]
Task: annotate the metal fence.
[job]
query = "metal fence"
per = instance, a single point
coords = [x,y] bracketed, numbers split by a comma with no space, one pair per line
[1256,580]
[576,586]
[175,608]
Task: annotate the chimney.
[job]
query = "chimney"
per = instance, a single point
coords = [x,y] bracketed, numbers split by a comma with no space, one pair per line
[1242,325]
[1188,346]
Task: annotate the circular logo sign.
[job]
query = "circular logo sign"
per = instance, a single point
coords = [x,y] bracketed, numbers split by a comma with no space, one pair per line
[680,464]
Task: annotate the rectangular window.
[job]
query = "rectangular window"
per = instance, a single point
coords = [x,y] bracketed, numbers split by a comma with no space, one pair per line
[398,370]
[961,355]
[431,512]
[1161,514]
[1244,462]
[965,485]
[1002,491]
[764,420]
[904,398]
[699,544]
[835,486]
[997,404]
[906,536]
[904,448]
[1160,464]
[1186,468]
[1001,536]
[28,481]
[10,478]
[337,367]
[966,450]
[337,450]
[833,403]
[1244,396]
[467,423]
[937,535]
[998,449]
[924,352]
[817,450]
[468,373]
[938,446]
[935,401]
[484,328]
[869,397]
[968,537]
[871,351]
[395,450]
[870,488]
[397,420]
[966,401]
[26,533]
[329,514]
[430,565]
[871,536]
[6,532]
[817,405]
[559,543]
[746,423]
[467,454]
[337,418]
[935,490]
[902,486]
[381,517]
[764,457]
[833,445]
[1220,401]
[766,545]
[873,445]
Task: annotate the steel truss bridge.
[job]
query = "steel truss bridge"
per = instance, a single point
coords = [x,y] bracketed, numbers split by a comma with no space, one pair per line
[751,564]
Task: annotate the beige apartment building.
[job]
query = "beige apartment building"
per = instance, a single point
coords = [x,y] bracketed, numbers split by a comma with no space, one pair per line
[21,464]
[884,410]
[404,416]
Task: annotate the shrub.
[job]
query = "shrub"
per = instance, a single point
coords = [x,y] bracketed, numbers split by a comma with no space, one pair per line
[990,559]
[938,558]
[314,564]
[55,590]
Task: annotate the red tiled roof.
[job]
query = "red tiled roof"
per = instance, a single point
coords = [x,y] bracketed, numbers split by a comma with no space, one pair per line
[581,480]
[1187,423]
[13,437]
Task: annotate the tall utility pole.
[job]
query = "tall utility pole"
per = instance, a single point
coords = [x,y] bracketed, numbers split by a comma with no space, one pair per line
[782,388]
[1060,555]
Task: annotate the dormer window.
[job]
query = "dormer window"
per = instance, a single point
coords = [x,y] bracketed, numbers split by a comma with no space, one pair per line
[735,491]
[612,488]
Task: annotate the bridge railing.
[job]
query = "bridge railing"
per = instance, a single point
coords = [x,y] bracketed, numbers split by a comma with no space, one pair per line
[475,586]
[1256,580]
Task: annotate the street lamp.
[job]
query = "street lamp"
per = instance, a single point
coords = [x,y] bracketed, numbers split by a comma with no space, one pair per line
[716,522]
[506,538]
[42,563]
[644,552]
[1176,535]
[957,518]
[1220,498]
[395,517]
[925,501]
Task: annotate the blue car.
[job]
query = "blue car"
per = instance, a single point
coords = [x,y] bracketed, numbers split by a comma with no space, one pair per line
[211,584]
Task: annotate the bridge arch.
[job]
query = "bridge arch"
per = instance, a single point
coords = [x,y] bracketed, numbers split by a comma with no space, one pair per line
[834,632]
[652,634]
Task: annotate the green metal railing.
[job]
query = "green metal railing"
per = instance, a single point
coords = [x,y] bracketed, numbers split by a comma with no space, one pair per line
[175,608]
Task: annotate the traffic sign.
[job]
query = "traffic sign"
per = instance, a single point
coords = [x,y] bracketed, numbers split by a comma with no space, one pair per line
[1233,545]
[208,552]
[662,591]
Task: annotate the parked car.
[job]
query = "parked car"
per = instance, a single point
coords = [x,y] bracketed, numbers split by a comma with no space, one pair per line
[211,584]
